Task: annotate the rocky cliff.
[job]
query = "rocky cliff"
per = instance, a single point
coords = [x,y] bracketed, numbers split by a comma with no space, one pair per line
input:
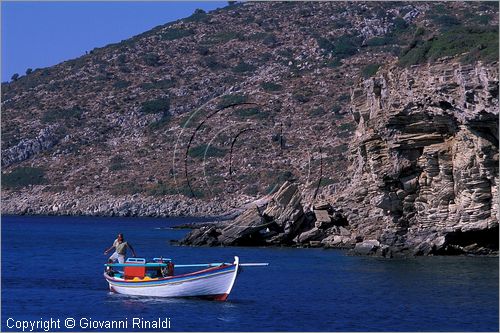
[424,170]
[425,158]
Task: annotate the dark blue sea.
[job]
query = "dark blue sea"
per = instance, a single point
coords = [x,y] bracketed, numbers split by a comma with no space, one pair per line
[52,269]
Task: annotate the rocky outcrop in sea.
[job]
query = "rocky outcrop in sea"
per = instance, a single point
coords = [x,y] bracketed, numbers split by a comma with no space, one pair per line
[280,222]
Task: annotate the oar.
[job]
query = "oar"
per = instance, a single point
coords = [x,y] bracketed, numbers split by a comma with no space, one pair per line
[184,265]
[222,263]
[201,265]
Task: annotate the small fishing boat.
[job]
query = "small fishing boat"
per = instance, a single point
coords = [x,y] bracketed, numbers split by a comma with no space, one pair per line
[156,278]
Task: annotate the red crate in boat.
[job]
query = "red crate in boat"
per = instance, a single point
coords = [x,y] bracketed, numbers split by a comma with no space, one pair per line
[134,271]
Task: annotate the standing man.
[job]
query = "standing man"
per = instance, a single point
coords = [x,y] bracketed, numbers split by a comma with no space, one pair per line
[120,246]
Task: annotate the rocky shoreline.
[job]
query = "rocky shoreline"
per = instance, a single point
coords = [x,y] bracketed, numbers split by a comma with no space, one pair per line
[284,222]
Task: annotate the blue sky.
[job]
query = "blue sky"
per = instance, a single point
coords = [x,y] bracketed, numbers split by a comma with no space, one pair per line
[42,34]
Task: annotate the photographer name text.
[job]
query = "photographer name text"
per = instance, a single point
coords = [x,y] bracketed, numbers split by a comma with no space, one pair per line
[56,324]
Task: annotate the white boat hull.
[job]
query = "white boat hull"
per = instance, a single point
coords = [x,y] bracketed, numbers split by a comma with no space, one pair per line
[213,283]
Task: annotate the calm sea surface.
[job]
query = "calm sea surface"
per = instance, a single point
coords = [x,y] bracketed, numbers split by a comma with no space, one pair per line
[52,268]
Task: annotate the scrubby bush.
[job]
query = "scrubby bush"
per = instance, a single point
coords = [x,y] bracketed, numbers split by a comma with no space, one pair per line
[156,106]
[317,112]
[481,19]
[199,15]
[342,47]
[117,163]
[151,59]
[347,127]
[271,86]
[121,84]
[121,59]
[206,151]
[369,70]
[212,63]
[229,100]
[224,37]
[173,33]
[243,67]
[336,109]
[162,122]
[23,176]
[445,21]
[300,97]
[203,50]
[251,113]
[160,84]
[55,115]
[400,24]
[479,43]
[380,41]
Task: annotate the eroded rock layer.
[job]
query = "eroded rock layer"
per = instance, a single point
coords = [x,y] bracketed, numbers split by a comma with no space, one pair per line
[425,159]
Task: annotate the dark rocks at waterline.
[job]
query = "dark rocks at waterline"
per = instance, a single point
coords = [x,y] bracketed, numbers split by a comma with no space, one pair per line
[282,222]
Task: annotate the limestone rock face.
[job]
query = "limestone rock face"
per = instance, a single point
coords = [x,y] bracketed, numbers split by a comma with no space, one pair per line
[26,148]
[244,229]
[286,211]
[424,160]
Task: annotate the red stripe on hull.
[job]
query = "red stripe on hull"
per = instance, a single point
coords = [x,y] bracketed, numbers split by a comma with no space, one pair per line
[221,298]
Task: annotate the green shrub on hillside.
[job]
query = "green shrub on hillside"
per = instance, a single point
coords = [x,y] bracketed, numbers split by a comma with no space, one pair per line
[206,151]
[151,59]
[212,63]
[479,43]
[160,84]
[317,112]
[251,113]
[271,86]
[23,176]
[121,84]
[341,47]
[229,100]
[162,122]
[156,106]
[199,15]
[224,37]
[117,163]
[369,70]
[173,33]
[55,115]
[349,127]
[380,41]
[243,67]
[481,19]
[445,21]
[121,59]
